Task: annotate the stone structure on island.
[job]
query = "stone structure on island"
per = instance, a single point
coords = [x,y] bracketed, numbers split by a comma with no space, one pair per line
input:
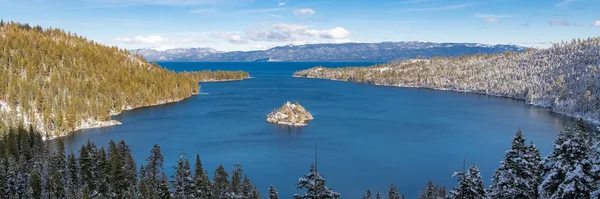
[292,114]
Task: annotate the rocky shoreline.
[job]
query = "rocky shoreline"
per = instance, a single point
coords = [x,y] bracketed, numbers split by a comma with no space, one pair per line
[373,75]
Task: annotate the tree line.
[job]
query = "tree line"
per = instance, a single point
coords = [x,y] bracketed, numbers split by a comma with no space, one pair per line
[218,75]
[59,81]
[30,169]
[564,78]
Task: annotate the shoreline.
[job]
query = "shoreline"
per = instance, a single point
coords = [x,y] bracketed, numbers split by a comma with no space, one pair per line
[224,80]
[595,122]
[93,124]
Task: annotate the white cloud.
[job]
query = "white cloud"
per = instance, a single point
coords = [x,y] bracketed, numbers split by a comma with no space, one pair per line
[167,2]
[231,37]
[204,11]
[281,4]
[491,18]
[565,2]
[294,32]
[596,23]
[441,8]
[152,39]
[155,40]
[305,11]
[561,23]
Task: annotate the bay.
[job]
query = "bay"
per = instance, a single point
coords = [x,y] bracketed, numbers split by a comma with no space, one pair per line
[366,136]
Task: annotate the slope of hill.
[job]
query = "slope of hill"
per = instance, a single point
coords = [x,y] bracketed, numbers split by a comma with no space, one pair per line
[348,52]
[564,78]
[60,82]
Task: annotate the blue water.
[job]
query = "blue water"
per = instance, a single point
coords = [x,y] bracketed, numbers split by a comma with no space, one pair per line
[367,136]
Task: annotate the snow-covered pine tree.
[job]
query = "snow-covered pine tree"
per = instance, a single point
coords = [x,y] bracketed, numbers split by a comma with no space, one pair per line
[475,181]
[570,167]
[203,184]
[56,183]
[85,168]
[144,188]
[393,193]
[377,194]
[116,183]
[470,184]
[154,169]
[73,177]
[163,187]
[3,177]
[367,195]
[220,182]
[255,193]
[596,162]
[273,194]
[102,174]
[35,185]
[432,191]
[129,169]
[533,162]
[247,187]
[236,181]
[314,183]
[183,184]
[518,174]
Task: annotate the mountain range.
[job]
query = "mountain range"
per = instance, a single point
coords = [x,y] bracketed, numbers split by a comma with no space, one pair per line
[346,52]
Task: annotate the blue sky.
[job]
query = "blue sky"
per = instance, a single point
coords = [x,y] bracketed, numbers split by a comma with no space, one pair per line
[259,24]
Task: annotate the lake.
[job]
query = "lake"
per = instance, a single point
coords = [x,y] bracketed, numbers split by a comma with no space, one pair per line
[367,136]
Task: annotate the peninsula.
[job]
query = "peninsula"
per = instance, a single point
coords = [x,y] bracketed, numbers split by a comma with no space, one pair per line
[290,114]
[218,75]
[563,78]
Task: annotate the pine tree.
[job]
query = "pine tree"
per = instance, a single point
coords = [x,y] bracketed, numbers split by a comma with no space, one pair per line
[470,184]
[247,187]
[367,195]
[183,183]
[236,179]
[255,193]
[377,194]
[314,183]
[519,173]
[431,191]
[73,180]
[154,169]
[220,182]
[273,194]
[85,169]
[163,187]
[476,188]
[203,184]
[116,182]
[35,185]
[129,169]
[103,174]
[393,192]
[570,166]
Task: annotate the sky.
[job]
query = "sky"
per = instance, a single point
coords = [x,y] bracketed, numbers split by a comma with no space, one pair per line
[243,25]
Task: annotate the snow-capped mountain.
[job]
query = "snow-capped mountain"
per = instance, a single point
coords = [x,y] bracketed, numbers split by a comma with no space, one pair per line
[351,52]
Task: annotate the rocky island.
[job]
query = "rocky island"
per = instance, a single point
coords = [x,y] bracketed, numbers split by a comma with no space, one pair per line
[290,114]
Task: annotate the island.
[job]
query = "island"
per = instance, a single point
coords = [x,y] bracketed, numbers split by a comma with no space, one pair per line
[290,114]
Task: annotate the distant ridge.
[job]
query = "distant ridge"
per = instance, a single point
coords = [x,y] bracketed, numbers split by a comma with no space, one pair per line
[347,52]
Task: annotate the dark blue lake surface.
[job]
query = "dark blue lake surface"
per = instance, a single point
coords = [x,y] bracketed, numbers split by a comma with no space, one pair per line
[367,136]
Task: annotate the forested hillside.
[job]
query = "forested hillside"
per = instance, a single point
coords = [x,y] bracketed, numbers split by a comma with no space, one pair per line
[60,82]
[218,75]
[564,77]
